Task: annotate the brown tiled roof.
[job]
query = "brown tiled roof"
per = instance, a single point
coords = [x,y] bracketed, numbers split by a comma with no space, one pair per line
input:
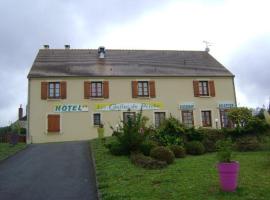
[86,63]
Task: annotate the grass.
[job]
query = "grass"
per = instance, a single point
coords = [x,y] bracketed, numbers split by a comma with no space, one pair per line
[7,150]
[194,177]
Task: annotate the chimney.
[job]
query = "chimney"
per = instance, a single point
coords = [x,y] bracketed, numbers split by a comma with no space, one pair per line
[46,46]
[20,112]
[207,49]
[67,46]
[101,52]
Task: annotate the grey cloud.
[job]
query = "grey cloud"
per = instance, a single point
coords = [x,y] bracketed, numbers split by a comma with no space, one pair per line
[251,65]
[26,25]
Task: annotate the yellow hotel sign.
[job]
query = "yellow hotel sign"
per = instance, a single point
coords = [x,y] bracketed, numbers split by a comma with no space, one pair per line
[129,106]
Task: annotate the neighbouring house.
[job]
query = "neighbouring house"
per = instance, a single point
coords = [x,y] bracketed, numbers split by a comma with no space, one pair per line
[72,91]
[22,119]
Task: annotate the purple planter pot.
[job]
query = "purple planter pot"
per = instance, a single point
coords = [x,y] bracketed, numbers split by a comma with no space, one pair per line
[228,175]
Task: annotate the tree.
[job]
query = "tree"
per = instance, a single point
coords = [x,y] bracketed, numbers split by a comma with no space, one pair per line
[240,116]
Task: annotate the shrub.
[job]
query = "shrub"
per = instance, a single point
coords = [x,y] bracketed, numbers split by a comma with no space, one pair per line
[195,148]
[131,134]
[195,134]
[163,154]
[209,145]
[116,148]
[146,147]
[179,151]
[170,132]
[247,143]
[147,162]
[224,150]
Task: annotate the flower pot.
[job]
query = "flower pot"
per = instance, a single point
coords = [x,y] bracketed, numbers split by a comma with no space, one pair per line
[228,176]
[100,133]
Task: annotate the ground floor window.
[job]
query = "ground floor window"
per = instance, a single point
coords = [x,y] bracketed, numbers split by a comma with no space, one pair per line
[128,115]
[159,118]
[53,123]
[224,120]
[187,118]
[206,118]
[96,119]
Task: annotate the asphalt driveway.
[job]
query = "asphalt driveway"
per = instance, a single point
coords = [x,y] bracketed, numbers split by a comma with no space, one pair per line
[54,171]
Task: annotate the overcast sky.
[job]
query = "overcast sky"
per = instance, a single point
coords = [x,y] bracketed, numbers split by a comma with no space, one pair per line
[238,30]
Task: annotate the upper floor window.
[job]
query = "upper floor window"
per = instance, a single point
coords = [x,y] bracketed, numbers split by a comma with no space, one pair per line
[96,89]
[54,89]
[143,89]
[203,88]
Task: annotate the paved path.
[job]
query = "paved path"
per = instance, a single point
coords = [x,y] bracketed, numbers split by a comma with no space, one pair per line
[54,171]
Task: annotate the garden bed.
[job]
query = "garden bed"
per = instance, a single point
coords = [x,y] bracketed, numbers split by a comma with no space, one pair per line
[193,177]
[7,150]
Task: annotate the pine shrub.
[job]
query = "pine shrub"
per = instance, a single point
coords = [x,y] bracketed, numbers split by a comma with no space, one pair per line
[179,151]
[195,148]
[163,154]
[147,162]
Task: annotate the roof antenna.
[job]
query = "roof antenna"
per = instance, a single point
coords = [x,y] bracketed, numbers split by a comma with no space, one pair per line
[207,45]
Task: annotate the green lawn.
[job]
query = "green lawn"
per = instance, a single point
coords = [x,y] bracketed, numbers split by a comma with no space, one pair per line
[194,177]
[7,150]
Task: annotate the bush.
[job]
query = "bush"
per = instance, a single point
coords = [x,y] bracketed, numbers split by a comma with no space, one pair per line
[116,148]
[195,134]
[195,148]
[147,162]
[179,151]
[209,145]
[146,147]
[131,135]
[247,143]
[170,132]
[163,154]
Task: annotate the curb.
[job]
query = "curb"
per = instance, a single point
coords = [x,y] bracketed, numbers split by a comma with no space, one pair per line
[99,196]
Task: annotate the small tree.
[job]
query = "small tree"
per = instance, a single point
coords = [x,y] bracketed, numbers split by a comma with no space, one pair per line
[240,116]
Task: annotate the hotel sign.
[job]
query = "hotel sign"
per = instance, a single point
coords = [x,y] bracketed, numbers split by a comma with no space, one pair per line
[186,106]
[226,105]
[129,106]
[70,108]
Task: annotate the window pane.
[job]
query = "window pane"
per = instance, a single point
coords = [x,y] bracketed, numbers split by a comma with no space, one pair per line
[159,117]
[96,119]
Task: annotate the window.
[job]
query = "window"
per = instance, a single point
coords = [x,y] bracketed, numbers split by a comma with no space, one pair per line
[54,90]
[96,119]
[128,115]
[96,89]
[206,119]
[159,118]
[187,118]
[203,88]
[53,123]
[143,89]
[225,122]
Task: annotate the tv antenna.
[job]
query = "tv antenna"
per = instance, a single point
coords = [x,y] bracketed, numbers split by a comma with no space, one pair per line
[207,45]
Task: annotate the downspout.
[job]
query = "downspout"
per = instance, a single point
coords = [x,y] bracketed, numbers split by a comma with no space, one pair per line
[234,91]
[28,136]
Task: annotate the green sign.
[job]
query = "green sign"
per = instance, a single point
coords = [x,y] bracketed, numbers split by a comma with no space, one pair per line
[70,108]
